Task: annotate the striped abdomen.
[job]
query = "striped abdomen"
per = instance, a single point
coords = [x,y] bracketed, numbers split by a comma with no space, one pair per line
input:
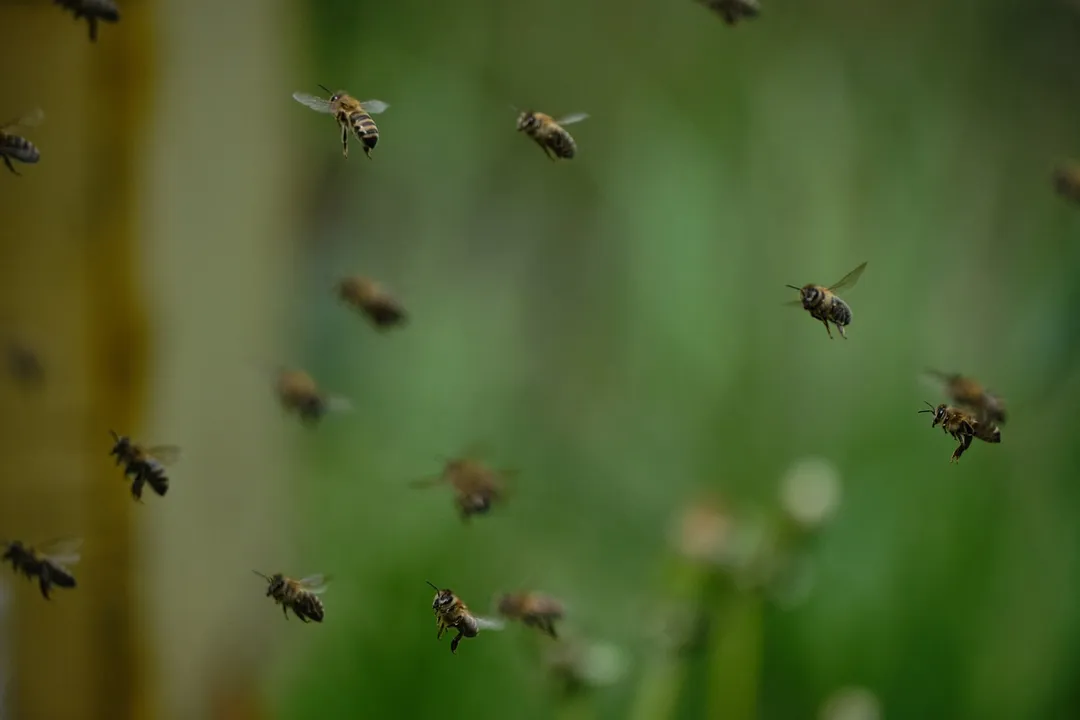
[560,142]
[365,130]
[839,312]
[18,148]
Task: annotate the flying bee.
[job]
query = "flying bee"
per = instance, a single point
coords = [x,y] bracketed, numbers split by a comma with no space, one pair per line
[49,563]
[824,305]
[550,134]
[452,614]
[24,364]
[963,427]
[373,301]
[1067,181]
[92,10]
[144,465]
[15,147]
[350,114]
[298,393]
[533,609]
[301,596]
[732,11]
[969,393]
[476,486]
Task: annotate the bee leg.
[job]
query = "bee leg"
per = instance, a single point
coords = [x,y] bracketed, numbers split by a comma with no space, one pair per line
[826,324]
[345,141]
[442,629]
[44,581]
[455,641]
[840,328]
[7,161]
[285,610]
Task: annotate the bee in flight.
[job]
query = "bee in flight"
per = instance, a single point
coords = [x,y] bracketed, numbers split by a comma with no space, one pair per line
[298,393]
[371,299]
[963,427]
[1067,181]
[452,614]
[732,11]
[15,147]
[476,486]
[533,609]
[144,465]
[550,134]
[301,596]
[349,114]
[24,364]
[969,393]
[92,10]
[49,563]
[824,305]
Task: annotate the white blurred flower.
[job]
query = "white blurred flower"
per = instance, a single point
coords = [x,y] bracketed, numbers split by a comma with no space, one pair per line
[810,491]
[851,703]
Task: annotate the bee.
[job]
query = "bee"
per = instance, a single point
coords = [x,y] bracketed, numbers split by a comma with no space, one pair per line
[373,301]
[533,609]
[732,11]
[476,486]
[969,393]
[14,147]
[824,305]
[1067,181]
[452,614]
[92,10]
[49,564]
[144,465]
[349,114]
[299,595]
[24,364]
[963,427]
[298,393]
[550,134]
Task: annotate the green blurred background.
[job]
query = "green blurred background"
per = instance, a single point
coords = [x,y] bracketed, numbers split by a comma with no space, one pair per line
[611,327]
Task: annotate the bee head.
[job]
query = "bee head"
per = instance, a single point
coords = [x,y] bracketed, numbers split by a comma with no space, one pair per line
[274,582]
[121,444]
[334,96]
[527,121]
[938,412]
[443,598]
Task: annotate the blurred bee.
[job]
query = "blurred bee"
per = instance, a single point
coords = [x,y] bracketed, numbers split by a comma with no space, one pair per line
[373,301]
[452,614]
[533,609]
[732,11]
[48,564]
[301,596]
[824,305]
[144,465]
[963,427]
[549,134]
[1067,181]
[14,147]
[349,114]
[298,393]
[92,10]
[476,486]
[971,394]
[24,364]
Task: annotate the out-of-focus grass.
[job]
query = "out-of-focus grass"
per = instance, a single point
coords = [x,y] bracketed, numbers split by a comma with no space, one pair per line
[613,327]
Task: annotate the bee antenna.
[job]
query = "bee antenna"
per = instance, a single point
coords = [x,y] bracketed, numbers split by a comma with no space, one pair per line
[327,89]
[264,577]
[793,287]
[932,408]
[433,585]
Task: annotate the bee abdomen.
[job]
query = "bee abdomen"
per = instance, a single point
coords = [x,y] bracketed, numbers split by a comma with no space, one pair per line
[562,145]
[19,148]
[840,312]
[365,129]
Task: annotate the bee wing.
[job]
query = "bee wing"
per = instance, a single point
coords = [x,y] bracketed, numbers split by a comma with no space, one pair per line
[315,583]
[426,482]
[164,454]
[850,279]
[315,103]
[336,403]
[62,551]
[571,119]
[31,119]
[374,107]
[485,623]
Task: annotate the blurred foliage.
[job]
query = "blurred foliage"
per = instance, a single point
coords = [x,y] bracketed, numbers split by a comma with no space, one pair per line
[613,327]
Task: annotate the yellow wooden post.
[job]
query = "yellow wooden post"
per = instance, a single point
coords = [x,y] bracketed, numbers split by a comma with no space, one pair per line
[68,289]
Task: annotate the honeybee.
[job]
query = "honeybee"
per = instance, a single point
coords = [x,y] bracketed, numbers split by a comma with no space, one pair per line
[301,596]
[298,393]
[533,609]
[373,301]
[349,114]
[963,427]
[1067,181]
[144,465]
[452,614]
[92,10]
[732,11]
[48,564]
[550,134]
[476,486]
[14,147]
[971,394]
[824,305]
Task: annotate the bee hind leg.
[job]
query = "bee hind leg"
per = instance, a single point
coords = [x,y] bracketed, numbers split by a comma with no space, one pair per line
[7,161]
[285,610]
[345,141]
[826,324]
[840,329]
[455,641]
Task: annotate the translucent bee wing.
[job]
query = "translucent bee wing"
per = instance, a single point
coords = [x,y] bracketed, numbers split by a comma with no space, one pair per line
[31,119]
[850,279]
[164,454]
[315,583]
[374,107]
[426,482]
[336,403]
[571,119]
[489,623]
[62,551]
[315,103]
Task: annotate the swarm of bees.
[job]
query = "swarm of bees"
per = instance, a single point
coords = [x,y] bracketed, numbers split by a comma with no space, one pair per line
[372,301]
[477,487]
[93,11]
[144,466]
[732,11]
[452,614]
[15,147]
[300,596]
[49,563]
[824,305]
[350,115]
